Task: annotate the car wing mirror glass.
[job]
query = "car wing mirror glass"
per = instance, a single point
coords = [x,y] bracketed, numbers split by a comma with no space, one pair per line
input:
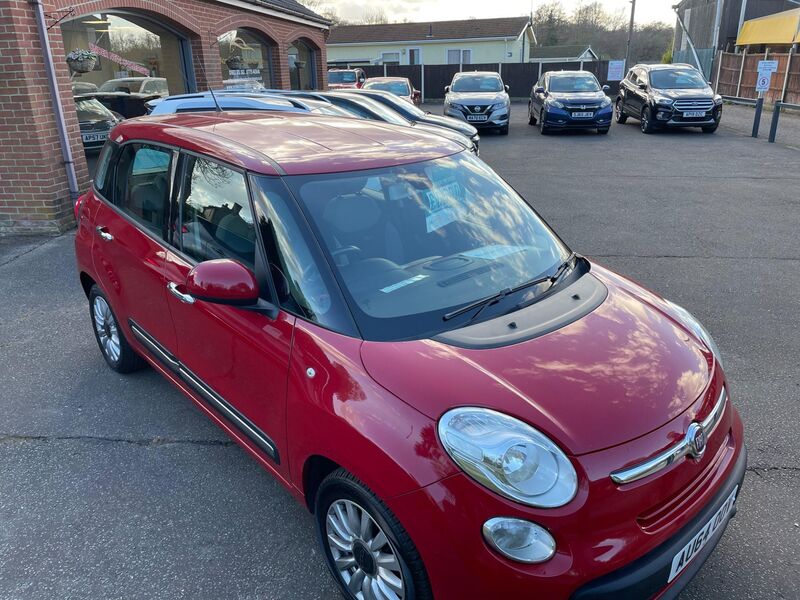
[447,89]
[539,90]
[507,88]
[642,86]
[606,88]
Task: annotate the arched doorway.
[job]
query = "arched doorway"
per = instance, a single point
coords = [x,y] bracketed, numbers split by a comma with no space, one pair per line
[302,65]
[246,59]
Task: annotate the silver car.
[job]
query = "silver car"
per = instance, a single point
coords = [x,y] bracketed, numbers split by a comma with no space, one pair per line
[480,98]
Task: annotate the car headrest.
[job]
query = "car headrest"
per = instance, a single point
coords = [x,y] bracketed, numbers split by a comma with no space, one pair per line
[352,213]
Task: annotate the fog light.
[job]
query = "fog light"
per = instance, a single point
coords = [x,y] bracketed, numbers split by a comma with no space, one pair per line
[663,116]
[519,540]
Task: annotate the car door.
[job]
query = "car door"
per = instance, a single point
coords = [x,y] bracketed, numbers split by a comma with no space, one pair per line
[544,83]
[129,247]
[638,96]
[236,360]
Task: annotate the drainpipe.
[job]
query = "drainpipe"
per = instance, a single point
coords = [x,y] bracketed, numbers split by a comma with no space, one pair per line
[58,108]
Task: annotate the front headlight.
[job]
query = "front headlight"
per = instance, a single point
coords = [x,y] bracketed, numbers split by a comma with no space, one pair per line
[498,106]
[697,328]
[555,103]
[606,102]
[508,456]
[662,100]
[717,99]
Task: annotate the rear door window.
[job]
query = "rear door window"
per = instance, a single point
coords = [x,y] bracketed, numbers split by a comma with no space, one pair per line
[216,218]
[143,184]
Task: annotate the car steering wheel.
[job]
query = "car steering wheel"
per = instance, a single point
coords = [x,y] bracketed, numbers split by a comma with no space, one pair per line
[343,250]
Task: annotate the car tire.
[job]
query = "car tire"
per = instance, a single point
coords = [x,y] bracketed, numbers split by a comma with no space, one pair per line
[531,118]
[503,130]
[349,520]
[543,129]
[646,122]
[619,114]
[710,129]
[119,354]
[603,130]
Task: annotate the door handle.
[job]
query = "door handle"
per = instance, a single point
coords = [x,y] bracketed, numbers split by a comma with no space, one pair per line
[185,298]
[103,233]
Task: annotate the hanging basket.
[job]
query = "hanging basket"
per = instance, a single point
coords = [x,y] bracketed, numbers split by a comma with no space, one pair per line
[234,62]
[81,61]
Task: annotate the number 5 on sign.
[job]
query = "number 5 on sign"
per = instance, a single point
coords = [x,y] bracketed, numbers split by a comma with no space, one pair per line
[763,81]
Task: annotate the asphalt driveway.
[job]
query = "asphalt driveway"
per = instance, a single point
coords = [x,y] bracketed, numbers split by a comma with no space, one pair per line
[117,487]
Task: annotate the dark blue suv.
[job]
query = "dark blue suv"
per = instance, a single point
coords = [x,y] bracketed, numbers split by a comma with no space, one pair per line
[569,100]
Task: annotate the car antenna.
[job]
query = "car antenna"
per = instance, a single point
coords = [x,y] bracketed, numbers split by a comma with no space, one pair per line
[205,75]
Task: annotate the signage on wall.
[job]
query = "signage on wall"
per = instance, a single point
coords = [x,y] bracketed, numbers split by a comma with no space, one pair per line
[129,65]
[616,70]
[767,66]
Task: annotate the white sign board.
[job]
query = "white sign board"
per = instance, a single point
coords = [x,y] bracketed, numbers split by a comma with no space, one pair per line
[763,81]
[616,70]
[767,66]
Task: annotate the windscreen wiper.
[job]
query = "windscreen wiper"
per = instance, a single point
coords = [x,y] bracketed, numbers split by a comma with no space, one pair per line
[495,298]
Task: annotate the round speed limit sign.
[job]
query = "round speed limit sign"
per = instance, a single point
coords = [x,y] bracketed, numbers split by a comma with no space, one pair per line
[762,85]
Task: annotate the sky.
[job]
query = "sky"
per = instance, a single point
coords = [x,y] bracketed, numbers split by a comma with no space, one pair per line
[440,10]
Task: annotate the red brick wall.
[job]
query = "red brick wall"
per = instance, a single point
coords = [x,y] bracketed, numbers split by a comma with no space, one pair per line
[34,196]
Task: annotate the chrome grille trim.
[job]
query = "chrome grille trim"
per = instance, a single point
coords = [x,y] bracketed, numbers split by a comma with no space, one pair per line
[676,452]
[698,104]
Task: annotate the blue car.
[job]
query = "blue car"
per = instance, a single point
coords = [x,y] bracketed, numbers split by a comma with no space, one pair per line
[569,100]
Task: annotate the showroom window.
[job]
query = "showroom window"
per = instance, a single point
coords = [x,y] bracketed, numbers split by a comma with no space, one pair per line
[246,60]
[133,59]
[302,66]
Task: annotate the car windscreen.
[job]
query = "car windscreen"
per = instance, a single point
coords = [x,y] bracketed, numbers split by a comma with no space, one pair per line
[477,83]
[341,76]
[398,88]
[573,83]
[406,109]
[90,109]
[411,243]
[677,79]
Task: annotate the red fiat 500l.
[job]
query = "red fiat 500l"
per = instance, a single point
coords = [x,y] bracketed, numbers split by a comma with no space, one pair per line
[470,409]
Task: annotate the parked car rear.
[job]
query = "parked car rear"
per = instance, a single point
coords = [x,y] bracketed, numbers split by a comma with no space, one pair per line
[399,86]
[346,78]
[95,122]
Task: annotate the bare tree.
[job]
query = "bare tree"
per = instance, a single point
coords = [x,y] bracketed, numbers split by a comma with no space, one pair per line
[374,16]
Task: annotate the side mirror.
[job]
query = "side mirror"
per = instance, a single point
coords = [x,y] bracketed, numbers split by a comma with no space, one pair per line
[606,88]
[447,89]
[642,86]
[223,281]
[507,88]
[539,90]
[415,94]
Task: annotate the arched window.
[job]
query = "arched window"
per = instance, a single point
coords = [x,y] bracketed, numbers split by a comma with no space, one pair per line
[246,59]
[302,66]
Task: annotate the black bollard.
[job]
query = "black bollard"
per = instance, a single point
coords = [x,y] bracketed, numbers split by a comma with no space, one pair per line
[773,128]
[757,119]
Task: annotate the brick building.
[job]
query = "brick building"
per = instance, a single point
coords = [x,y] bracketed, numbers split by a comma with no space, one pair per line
[180,45]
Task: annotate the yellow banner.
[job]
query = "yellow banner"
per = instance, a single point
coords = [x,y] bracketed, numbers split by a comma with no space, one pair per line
[780,28]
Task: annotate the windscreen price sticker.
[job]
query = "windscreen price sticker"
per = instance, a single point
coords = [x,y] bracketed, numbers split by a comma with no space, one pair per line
[763,81]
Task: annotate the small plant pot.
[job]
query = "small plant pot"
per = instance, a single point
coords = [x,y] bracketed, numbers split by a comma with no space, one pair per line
[234,62]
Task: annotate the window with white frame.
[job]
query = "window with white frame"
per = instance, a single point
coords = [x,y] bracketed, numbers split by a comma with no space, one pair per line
[414,56]
[459,56]
[390,58]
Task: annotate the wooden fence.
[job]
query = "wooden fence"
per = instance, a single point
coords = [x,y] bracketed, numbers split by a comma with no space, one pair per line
[736,75]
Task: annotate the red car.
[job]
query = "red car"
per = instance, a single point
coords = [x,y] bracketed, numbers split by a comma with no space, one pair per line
[343,79]
[469,408]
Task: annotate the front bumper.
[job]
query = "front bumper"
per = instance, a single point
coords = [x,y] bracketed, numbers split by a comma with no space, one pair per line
[495,119]
[645,577]
[613,541]
[667,117]
[557,118]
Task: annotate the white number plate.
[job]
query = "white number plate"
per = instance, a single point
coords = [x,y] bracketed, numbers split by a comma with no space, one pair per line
[95,137]
[694,113]
[477,118]
[583,115]
[700,539]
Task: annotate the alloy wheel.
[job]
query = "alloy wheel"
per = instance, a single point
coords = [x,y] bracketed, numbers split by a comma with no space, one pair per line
[106,327]
[364,557]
